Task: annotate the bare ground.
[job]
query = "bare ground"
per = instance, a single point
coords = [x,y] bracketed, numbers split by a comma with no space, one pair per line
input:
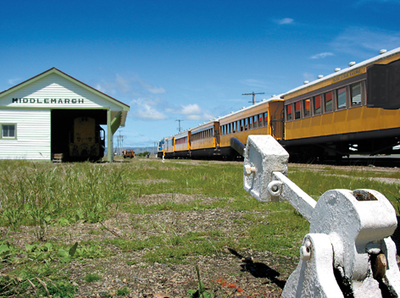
[227,273]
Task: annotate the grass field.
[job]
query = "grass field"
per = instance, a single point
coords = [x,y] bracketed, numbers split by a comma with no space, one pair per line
[46,196]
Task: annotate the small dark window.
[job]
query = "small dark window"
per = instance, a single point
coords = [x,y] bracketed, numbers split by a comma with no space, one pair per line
[289,115]
[307,107]
[356,94]
[297,110]
[328,101]
[8,131]
[317,105]
[341,98]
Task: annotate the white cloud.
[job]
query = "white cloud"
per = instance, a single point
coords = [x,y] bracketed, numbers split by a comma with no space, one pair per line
[322,55]
[146,109]
[191,109]
[152,89]
[194,112]
[364,42]
[285,21]
[132,86]
[13,81]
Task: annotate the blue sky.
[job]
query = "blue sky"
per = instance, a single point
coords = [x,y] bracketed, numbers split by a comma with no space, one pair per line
[189,60]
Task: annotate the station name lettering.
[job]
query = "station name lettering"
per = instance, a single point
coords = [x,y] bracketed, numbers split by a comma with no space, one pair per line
[49,100]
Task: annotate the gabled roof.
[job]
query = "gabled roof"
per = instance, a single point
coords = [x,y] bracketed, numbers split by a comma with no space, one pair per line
[124,107]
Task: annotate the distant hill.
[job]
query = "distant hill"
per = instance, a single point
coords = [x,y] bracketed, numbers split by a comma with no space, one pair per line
[137,150]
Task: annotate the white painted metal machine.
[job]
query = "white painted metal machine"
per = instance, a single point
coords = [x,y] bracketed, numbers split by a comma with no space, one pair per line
[348,251]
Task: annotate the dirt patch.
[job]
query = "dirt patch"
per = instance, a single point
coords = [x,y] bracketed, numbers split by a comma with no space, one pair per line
[226,273]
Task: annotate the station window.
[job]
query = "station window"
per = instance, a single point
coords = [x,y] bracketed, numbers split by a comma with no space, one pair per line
[307,107]
[317,105]
[297,110]
[289,112]
[341,98]
[356,94]
[328,99]
[8,131]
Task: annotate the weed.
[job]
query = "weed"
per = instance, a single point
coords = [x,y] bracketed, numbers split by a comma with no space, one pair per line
[90,277]
[201,290]
[123,291]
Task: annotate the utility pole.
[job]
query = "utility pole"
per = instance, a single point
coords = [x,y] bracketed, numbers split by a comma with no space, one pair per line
[179,121]
[120,143]
[254,95]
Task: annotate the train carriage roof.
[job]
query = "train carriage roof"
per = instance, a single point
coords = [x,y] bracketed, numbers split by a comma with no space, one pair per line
[263,102]
[338,74]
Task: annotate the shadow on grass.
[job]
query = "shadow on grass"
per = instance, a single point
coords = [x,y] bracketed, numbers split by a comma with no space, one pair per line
[258,270]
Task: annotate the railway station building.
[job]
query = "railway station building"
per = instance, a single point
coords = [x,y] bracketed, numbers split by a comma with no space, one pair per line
[37,116]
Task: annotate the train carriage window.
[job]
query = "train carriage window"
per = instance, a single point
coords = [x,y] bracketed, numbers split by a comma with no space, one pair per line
[251,122]
[289,115]
[307,107]
[341,98]
[297,110]
[328,99]
[246,124]
[260,120]
[241,125]
[356,94]
[317,105]
[266,118]
[255,121]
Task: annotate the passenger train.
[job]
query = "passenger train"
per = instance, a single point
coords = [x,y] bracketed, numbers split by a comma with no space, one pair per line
[351,111]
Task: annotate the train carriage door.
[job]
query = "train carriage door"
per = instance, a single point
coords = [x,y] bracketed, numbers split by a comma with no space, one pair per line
[276,114]
[217,133]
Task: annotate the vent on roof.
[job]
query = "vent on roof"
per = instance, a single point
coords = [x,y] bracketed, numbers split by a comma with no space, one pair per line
[352,63]
[306,82]
[337,69]
[320,76]
[383,51]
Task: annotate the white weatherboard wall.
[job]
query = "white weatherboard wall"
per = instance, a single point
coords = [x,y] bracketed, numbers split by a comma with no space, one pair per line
[33,134]
[28,105]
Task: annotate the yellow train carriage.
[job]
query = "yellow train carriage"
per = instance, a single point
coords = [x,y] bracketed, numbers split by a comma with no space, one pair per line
[182,144]
[265,117]
[343,113]
[205,140]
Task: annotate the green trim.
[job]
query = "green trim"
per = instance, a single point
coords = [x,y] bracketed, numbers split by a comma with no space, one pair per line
[116,122]
[110,149]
